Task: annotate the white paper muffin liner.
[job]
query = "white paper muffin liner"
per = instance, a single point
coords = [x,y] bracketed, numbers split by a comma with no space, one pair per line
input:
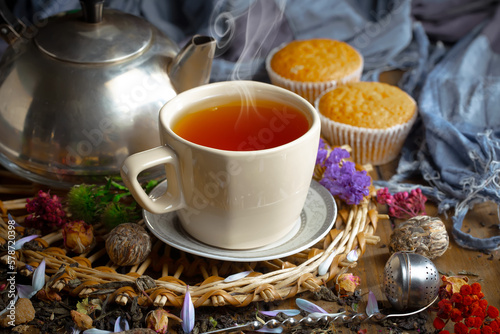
[308,90]
[369,146]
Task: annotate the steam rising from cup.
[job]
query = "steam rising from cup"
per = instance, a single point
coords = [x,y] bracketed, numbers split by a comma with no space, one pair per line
[246,33]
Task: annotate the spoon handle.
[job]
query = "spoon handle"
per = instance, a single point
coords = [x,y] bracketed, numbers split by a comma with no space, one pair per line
[312,321]
[252,326]
[292,322]
[414,312]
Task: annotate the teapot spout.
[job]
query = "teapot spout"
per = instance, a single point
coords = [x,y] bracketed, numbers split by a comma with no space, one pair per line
[193,64]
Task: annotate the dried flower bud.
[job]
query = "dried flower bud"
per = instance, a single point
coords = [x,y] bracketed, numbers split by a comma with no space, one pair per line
[347,283]
[82,321]
[128,244]
[78,236]
[424,235]
[48,295]
[157,320]
[452,284]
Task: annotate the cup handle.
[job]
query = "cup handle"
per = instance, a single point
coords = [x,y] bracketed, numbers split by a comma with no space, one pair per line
[172,199]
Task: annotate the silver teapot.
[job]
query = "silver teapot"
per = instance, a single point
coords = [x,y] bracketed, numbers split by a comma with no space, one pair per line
[83,92]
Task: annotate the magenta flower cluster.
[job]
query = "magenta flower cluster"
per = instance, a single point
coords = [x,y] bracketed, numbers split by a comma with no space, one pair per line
[403,205]
[340,176]
[46,212]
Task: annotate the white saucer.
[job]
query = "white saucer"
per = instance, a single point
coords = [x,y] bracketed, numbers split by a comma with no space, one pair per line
[317,218]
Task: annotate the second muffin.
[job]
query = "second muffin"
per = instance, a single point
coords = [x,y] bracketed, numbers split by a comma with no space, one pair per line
[372,117]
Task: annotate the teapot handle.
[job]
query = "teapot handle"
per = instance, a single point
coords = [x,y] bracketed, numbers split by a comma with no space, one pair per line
[11,28]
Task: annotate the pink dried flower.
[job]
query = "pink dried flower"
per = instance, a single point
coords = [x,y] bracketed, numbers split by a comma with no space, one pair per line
[403,205]
[46,212]
[384,196]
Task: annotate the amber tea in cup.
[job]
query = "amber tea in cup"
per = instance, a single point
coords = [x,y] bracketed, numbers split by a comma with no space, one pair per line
[237,127]
[239,158]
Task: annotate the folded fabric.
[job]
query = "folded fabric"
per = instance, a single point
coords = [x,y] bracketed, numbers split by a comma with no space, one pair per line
[459,154]
[451,20]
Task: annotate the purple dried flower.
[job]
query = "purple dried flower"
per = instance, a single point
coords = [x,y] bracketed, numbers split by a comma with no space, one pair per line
[343,180]
[20,243]
[266,329]
[322,143]
[187,313]
[308,306]
[274,313]
[118,325]
[372,306]
[321,157]
[237,276]
[37,282]
[322,153]
[337,155]
[314,310]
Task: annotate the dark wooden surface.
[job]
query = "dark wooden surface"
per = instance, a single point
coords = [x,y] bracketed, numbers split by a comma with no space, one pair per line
[478,266]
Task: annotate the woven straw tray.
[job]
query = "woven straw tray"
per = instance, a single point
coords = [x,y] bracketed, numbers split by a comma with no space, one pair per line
[162,279]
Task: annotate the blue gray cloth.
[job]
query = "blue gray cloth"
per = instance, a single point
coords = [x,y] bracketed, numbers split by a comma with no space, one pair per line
[449,50]
[459,145]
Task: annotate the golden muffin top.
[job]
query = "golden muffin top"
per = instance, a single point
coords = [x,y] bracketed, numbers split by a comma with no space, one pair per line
[368,105]
[316,60]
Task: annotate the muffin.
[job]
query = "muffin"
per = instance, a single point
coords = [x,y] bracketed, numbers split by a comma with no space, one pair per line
[309,67]
[372,117]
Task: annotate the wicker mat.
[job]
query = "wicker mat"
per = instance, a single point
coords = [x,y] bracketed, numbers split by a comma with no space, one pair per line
[161,280]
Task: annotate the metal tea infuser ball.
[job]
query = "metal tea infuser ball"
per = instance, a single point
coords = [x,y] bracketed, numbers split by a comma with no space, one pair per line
[411,281]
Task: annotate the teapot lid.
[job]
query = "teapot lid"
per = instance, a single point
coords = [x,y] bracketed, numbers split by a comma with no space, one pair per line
[73,38]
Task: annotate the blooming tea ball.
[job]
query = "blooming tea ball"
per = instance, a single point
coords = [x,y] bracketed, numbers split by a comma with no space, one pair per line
[128,244]
[423,235]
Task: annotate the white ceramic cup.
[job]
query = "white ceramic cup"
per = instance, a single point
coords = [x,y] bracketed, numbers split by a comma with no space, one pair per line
[230,199]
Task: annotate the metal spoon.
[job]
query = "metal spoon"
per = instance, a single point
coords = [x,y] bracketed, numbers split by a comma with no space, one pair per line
[310,321]
[410,282]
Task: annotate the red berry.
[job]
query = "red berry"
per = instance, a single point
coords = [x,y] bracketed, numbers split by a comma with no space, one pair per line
[467,300]
[456,315]
[456,298]
[465,290]
[442,314]
[492,312]
[470,322]
[486,330]
[478,312]
[483,304]
[460,328]
[476,288]
[495,325]
[438,323]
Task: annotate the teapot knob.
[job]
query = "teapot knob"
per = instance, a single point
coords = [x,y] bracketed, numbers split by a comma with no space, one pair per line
[92,10]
